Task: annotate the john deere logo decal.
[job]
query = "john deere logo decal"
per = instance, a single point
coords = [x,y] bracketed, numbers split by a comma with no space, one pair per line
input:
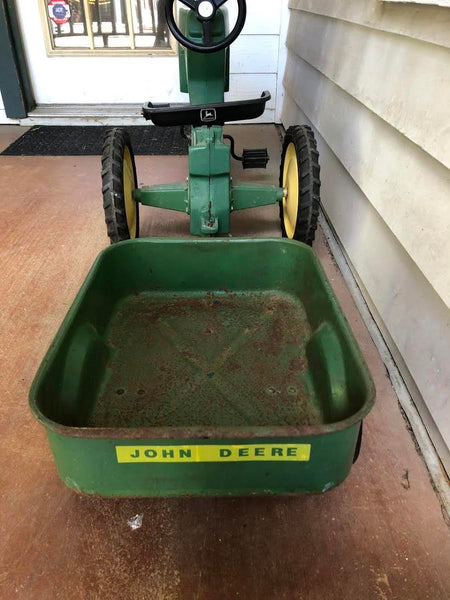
[225,453]
[207,115]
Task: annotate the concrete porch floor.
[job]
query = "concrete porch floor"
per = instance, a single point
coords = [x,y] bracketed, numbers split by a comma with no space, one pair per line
[379,536]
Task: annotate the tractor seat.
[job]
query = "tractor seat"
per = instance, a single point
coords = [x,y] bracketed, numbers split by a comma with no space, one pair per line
[166,115]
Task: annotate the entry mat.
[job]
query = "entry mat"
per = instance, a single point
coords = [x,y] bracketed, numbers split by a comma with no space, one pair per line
[58,140]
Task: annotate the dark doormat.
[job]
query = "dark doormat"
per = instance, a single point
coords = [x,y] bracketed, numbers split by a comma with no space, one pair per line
[57,140]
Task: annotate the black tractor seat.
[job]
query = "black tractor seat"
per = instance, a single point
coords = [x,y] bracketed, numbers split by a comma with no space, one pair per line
[166,115]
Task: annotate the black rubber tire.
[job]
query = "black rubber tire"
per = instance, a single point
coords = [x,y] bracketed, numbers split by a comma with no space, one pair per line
[116,140]
[302,136]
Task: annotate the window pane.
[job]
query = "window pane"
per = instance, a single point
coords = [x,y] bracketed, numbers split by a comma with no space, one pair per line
[150,25]
[111,20]
[111,24]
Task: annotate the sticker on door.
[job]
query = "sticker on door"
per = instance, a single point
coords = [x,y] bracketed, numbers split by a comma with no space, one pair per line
[59,11]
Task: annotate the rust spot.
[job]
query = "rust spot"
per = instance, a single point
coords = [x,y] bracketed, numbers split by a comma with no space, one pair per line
[296,364]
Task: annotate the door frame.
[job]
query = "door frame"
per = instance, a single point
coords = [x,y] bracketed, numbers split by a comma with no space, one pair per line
[15,82]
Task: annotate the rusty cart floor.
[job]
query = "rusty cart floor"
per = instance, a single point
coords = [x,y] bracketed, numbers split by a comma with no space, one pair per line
[380,536]
[212,360]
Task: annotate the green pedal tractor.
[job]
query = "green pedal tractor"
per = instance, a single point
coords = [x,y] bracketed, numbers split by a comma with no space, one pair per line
[209,196]
[207,366]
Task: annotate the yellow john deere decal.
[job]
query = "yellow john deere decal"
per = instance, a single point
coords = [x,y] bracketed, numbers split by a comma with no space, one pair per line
[225,453]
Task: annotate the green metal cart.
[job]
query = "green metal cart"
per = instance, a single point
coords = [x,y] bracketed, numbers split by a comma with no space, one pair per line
[203,367]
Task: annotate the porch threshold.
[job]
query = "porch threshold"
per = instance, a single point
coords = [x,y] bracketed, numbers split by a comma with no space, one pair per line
[85,114]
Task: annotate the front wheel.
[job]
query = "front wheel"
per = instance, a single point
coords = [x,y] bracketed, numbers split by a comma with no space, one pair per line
[300,178]
[119,182]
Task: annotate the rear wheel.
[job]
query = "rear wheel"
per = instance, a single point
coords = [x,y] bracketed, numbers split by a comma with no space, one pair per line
[300,178]
[119,182]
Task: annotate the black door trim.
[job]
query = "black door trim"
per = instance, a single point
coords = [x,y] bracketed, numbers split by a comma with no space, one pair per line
[15,83]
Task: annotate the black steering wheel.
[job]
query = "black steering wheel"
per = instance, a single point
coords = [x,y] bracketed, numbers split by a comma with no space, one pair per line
[206,12]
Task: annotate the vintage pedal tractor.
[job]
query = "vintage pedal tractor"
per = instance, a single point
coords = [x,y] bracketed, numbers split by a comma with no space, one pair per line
[209,196]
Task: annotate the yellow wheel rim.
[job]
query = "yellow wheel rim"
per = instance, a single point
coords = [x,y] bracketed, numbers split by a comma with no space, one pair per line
[291,185]
[128,189]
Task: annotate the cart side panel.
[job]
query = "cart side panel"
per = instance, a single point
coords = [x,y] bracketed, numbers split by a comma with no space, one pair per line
[91,466]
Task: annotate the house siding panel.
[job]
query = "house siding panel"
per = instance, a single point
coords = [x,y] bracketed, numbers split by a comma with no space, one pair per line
[374,81]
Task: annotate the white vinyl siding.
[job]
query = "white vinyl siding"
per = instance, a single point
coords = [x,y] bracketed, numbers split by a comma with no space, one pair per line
[373,79]
[434,2]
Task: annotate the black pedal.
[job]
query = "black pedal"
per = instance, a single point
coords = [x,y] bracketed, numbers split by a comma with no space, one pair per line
[255,159]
